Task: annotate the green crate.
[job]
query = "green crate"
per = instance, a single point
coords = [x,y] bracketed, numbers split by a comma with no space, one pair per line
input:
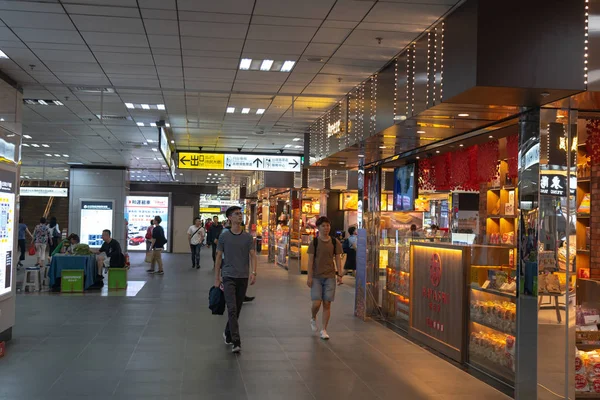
[117,278]
[71,280]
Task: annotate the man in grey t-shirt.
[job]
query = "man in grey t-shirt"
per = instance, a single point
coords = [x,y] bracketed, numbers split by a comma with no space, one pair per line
[234,270]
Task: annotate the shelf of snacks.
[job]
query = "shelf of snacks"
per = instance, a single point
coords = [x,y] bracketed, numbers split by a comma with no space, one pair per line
[587,374]
[397,280]
[493,352]
[583,198]
[502,212]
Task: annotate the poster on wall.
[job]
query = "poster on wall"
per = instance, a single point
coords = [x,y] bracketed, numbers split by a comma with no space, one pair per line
[7,216]
[96,216]
[139,210]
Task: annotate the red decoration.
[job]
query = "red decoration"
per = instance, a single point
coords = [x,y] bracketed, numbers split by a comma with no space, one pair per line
[593,140]
[487,161]
[442,166]
[512,149]
[460,174]
[425,176]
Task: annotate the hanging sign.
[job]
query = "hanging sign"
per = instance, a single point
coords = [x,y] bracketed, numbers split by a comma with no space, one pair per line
[555,185]
[240,162]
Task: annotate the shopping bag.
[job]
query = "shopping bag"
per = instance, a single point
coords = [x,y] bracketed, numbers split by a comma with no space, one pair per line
[148,257]
[32,250]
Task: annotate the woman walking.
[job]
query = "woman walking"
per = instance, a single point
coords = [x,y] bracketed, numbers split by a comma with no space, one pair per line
[55,234]
[158,242]
[41,238]
[23,230]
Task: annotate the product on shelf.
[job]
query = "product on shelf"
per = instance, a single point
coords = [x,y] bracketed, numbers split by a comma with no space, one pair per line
[549,283]
[546,260]
[587,371]
[496,348]
[587,316]
[584,207]
[496,314]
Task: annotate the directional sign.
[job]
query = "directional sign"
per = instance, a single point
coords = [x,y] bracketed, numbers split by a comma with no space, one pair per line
[189,160]
[240,162]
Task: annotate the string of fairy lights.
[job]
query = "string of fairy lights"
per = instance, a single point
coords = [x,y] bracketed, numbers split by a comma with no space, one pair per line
[585,54]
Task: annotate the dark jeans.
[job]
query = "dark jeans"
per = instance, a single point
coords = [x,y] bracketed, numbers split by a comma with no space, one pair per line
[235,293]
[22,249]
[196,254]
[214,252]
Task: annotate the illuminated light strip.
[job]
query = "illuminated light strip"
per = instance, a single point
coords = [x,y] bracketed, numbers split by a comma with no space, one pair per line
[407,76]
[442,65]
[395,87]
[414,76]
[585,55]
[434,61]
[427,75]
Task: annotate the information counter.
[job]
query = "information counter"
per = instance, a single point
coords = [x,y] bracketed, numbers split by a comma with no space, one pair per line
[462,304]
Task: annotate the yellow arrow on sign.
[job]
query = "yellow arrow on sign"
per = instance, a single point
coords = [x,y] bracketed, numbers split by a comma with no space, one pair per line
[190,160]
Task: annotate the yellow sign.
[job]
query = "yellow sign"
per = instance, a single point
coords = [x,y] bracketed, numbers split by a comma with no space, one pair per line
[200,160]
[210,210]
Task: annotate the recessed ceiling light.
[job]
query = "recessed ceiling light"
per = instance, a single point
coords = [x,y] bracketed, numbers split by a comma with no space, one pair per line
[160,106]
[222,174]
[48,155]
[27,136]
[420,131]
[296,139]
[245,63]
[172,142]
[209,174]
[361,156]
[168,125]
[461,145]
[66,169]
[287,146]
[66,155]
[3,54]
[45,145]
[287,66]
[245,110]
[58,103]
[24,144]
[463,115]
[152,124]
[418,158]
[42,102]
[297,147]
[145,106]
[35,145]
[140,124]
[57,155]
[437,151]
[150,141]
[230,110]
[154,149]
[560,116]
[129,105]
[260,111]
[266,65]
[490,137]
[382,147]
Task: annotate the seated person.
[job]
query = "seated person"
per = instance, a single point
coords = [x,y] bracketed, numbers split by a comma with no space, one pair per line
[110,248]
[67,245]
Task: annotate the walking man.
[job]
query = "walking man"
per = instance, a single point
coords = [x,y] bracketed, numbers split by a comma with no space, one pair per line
[325,265]
[196,235]
[238,267]
[213,236]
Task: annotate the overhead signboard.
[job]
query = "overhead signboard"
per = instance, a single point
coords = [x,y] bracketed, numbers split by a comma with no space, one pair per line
[240,162]
[44,191]
[556,184]
[163,145]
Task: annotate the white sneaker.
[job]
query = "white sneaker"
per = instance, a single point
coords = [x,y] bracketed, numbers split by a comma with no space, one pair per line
[313,325]
[324,335]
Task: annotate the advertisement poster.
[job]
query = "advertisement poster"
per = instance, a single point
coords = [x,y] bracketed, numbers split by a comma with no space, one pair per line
[139,210]
[96,216]
[7,213]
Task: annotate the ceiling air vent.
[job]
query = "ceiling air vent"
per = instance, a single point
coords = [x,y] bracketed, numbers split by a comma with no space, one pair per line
[113,117]
[259,132]
[93,89]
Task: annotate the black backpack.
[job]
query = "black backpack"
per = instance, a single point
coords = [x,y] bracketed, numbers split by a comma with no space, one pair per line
[346,246]
[333,241]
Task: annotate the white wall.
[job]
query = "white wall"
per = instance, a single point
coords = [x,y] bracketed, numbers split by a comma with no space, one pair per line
[99,184]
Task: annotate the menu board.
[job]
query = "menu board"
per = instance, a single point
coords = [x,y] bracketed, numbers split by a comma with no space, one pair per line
[96,216]
[139,210]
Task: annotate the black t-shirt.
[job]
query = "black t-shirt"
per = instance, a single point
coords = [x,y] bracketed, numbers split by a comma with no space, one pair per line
[158,233]
[111,248]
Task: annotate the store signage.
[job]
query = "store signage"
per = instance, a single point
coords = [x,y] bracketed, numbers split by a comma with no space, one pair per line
[532,157]
[239,162]
[437,297]
[214,210]
[44,191]
[95,216]
[163,145]
[139,210]
[554,185]
[334,128]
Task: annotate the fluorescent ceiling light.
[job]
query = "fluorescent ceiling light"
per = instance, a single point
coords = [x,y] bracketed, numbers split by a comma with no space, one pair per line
[57,155]
[152,124]
[230,110]
[172,142]
[245,110]
[260,111]
[42,102]
[209,174]
[27,136]
[297,139]
[25,144]
[287,146]
[140,124]
[287,66]
[58,103]
[3,54]
[245,63]
[129,105]
[420,131]
[45,145]
[35,145]
[154,149]
[297,147]
[66,155]
[168,125]
[266,65]
[160,106]
[48,155]
[463,115]
[361,156]
[382,147]
[145,106]
[75,163]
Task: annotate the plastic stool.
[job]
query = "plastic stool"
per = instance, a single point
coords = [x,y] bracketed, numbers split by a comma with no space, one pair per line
[32,279]
[44,275]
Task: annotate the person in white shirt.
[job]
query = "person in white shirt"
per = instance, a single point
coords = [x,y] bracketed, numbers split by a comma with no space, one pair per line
[196,235]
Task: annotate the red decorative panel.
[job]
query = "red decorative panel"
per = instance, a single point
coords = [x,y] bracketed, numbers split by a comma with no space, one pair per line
[442,166]
[460,173]
[425,175]
[487,161]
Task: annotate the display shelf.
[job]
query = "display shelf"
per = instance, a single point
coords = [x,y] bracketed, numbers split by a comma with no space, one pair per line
[583,215]
[492,327]
[584,395]
[501,216]
[583,251]
[584,180]
[494,292]
[484,364]
[587,347]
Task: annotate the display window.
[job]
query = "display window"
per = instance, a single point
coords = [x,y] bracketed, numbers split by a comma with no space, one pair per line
[139,211]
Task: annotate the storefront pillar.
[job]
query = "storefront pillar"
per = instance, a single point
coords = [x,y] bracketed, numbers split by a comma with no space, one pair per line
[360,298]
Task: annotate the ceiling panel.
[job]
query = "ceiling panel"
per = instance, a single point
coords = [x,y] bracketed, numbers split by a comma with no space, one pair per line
[119,24]
[38,20]
[316,9]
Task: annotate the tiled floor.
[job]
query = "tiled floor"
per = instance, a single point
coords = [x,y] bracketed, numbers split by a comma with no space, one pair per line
[165,344]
